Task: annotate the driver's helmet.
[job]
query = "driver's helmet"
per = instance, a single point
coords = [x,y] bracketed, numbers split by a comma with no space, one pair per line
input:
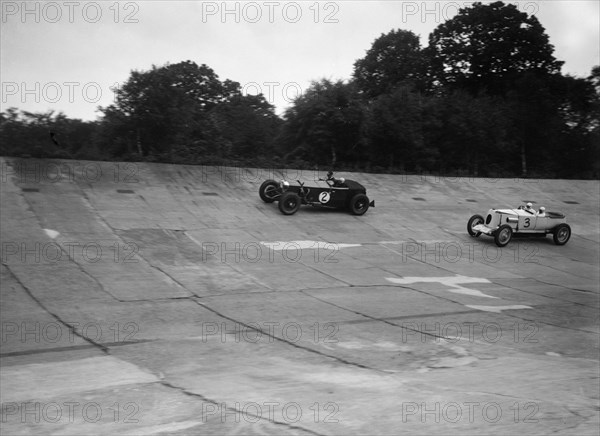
[342,180]
[529,205]
[542,209]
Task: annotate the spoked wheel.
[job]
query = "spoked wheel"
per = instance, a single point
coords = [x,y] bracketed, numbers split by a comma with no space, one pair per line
[503,235]
[359,204]
[268,191]
[473,221]
[562,234]
[289,203]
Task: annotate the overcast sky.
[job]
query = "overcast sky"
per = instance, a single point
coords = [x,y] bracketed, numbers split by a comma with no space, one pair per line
[66,56]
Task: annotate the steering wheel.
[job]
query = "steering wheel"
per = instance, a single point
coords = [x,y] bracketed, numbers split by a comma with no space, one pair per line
[329,181]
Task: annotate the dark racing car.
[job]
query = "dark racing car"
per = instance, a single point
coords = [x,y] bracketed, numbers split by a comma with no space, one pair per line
[332,193]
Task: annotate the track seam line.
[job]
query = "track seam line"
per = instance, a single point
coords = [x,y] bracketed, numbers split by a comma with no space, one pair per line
[385,321]
[320,353]
[79,267]
[58,318]
[216,403]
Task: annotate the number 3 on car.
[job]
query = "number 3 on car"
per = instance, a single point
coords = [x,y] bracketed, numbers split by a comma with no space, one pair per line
[502,224]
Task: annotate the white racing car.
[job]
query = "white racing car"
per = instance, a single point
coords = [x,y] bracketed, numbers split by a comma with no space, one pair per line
[526,221]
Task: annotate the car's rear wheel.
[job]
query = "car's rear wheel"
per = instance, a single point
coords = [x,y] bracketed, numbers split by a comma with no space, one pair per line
[268,191]
[503,235]
[473,221]
[359,204]
[561,234]
[289,203]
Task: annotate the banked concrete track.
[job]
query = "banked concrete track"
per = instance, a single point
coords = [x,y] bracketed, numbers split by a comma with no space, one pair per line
[160,299]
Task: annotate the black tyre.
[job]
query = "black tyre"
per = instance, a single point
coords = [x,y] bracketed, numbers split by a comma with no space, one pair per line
[561,234]
[473,221]
[269,191]
[503,235]
[289,203]
[359,204]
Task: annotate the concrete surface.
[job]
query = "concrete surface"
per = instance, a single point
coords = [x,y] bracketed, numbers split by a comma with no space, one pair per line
[159,299]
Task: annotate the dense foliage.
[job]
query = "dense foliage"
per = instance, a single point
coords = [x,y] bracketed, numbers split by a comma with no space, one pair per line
[485,98]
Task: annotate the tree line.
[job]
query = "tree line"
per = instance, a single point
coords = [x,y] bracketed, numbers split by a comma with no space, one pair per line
[485,97]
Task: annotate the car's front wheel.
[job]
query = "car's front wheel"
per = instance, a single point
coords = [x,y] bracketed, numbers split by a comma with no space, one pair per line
[268,191]
[561,234]
[503,235]
[289,203]
[359,204]
[473,221]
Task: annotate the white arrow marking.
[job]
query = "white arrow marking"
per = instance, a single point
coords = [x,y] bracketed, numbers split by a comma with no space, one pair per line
[498,309]
[454,283]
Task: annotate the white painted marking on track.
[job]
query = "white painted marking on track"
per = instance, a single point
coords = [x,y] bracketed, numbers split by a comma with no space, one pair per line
[302,245]
[498,309]
[454,283]
[51,233]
